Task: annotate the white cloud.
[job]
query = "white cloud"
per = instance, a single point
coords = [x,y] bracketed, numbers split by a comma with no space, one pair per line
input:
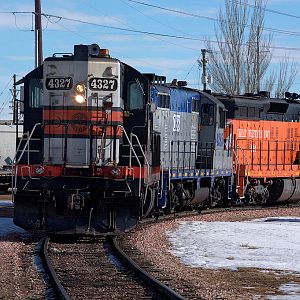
[96,19]
[18,21]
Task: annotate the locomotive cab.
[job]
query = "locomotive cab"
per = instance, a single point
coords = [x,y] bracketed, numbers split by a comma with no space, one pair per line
[85,159]
[214,155]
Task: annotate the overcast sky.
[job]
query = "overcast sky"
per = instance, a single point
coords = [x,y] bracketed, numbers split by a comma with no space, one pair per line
[173,57]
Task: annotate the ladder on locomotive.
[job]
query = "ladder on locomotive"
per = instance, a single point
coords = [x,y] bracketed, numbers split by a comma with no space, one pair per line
[30,146]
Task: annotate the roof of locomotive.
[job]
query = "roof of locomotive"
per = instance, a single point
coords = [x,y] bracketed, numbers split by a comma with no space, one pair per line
[254,99]
[82,53]
[167,87]
[264,105]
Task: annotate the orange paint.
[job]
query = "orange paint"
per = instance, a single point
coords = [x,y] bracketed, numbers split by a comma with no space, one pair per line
[265,148]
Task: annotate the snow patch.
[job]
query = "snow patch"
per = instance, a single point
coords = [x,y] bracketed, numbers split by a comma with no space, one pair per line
[270,243]
[8,227]
[290,290]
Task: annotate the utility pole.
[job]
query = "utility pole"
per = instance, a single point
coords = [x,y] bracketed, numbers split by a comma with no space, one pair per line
[15,108]
[38,34]
[204,61]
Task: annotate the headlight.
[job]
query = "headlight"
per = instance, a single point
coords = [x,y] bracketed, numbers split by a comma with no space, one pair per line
[80,99]
[79,88]
[80,93]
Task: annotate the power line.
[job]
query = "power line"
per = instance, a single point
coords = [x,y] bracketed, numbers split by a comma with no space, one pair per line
[174,10]
[16,12]
[181,37]
[151,18]
[154,37]
[265,9]
[6,86]
[156,33]
[274,30]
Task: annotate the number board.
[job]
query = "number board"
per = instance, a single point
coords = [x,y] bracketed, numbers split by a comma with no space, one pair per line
[59,83]
[103,84]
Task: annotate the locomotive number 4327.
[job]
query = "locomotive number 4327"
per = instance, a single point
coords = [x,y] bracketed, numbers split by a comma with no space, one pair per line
[59,83]
[103,84]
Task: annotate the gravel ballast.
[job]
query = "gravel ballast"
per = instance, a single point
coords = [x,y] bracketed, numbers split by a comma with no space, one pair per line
[18,275]
[197,283]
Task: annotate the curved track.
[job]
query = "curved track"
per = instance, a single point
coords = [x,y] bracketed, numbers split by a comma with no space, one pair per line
[106,270]
[164,290]
[58,289]
[94,271]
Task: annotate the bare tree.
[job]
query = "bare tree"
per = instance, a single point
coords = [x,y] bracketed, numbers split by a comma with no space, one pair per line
[287,73]
[240,61]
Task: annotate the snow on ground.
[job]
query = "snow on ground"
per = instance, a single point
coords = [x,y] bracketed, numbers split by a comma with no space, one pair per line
[270,243]
[266,244]
[7,227]
[291,291]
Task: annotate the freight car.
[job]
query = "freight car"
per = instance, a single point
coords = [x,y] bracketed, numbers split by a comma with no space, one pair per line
[105,145]
[7,150]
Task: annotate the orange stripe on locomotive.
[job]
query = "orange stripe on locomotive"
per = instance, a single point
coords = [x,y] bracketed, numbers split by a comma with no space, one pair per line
[81,115]
[76,122]
[82,130]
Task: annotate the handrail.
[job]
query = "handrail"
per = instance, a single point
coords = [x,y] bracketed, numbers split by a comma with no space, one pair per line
[139,163]
[148,170]
[14,172]
[27,142]
[144,155]
[16,161]
[162,185]
[19,145]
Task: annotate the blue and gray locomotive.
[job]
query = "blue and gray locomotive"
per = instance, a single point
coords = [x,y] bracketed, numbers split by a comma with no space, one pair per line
[104,145]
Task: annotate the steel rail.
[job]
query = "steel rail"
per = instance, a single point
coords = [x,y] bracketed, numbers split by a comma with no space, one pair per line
[160,287]
[59,291]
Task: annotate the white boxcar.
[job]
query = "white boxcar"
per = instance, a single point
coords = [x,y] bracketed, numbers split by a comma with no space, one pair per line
[7,152]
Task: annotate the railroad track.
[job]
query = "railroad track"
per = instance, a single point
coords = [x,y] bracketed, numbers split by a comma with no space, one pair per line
[99,270]
[108,268]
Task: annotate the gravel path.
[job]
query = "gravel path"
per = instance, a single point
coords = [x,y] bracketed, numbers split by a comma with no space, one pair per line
[196,283]
[19,278]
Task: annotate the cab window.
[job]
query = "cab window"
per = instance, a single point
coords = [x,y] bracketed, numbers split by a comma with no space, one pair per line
[163,100]
[35,92]
[207,114]
[222,115]
[195,105]
[135,96]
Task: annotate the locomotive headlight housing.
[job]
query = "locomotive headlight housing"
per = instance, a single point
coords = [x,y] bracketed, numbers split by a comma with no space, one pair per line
[80,93]
[79,88]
